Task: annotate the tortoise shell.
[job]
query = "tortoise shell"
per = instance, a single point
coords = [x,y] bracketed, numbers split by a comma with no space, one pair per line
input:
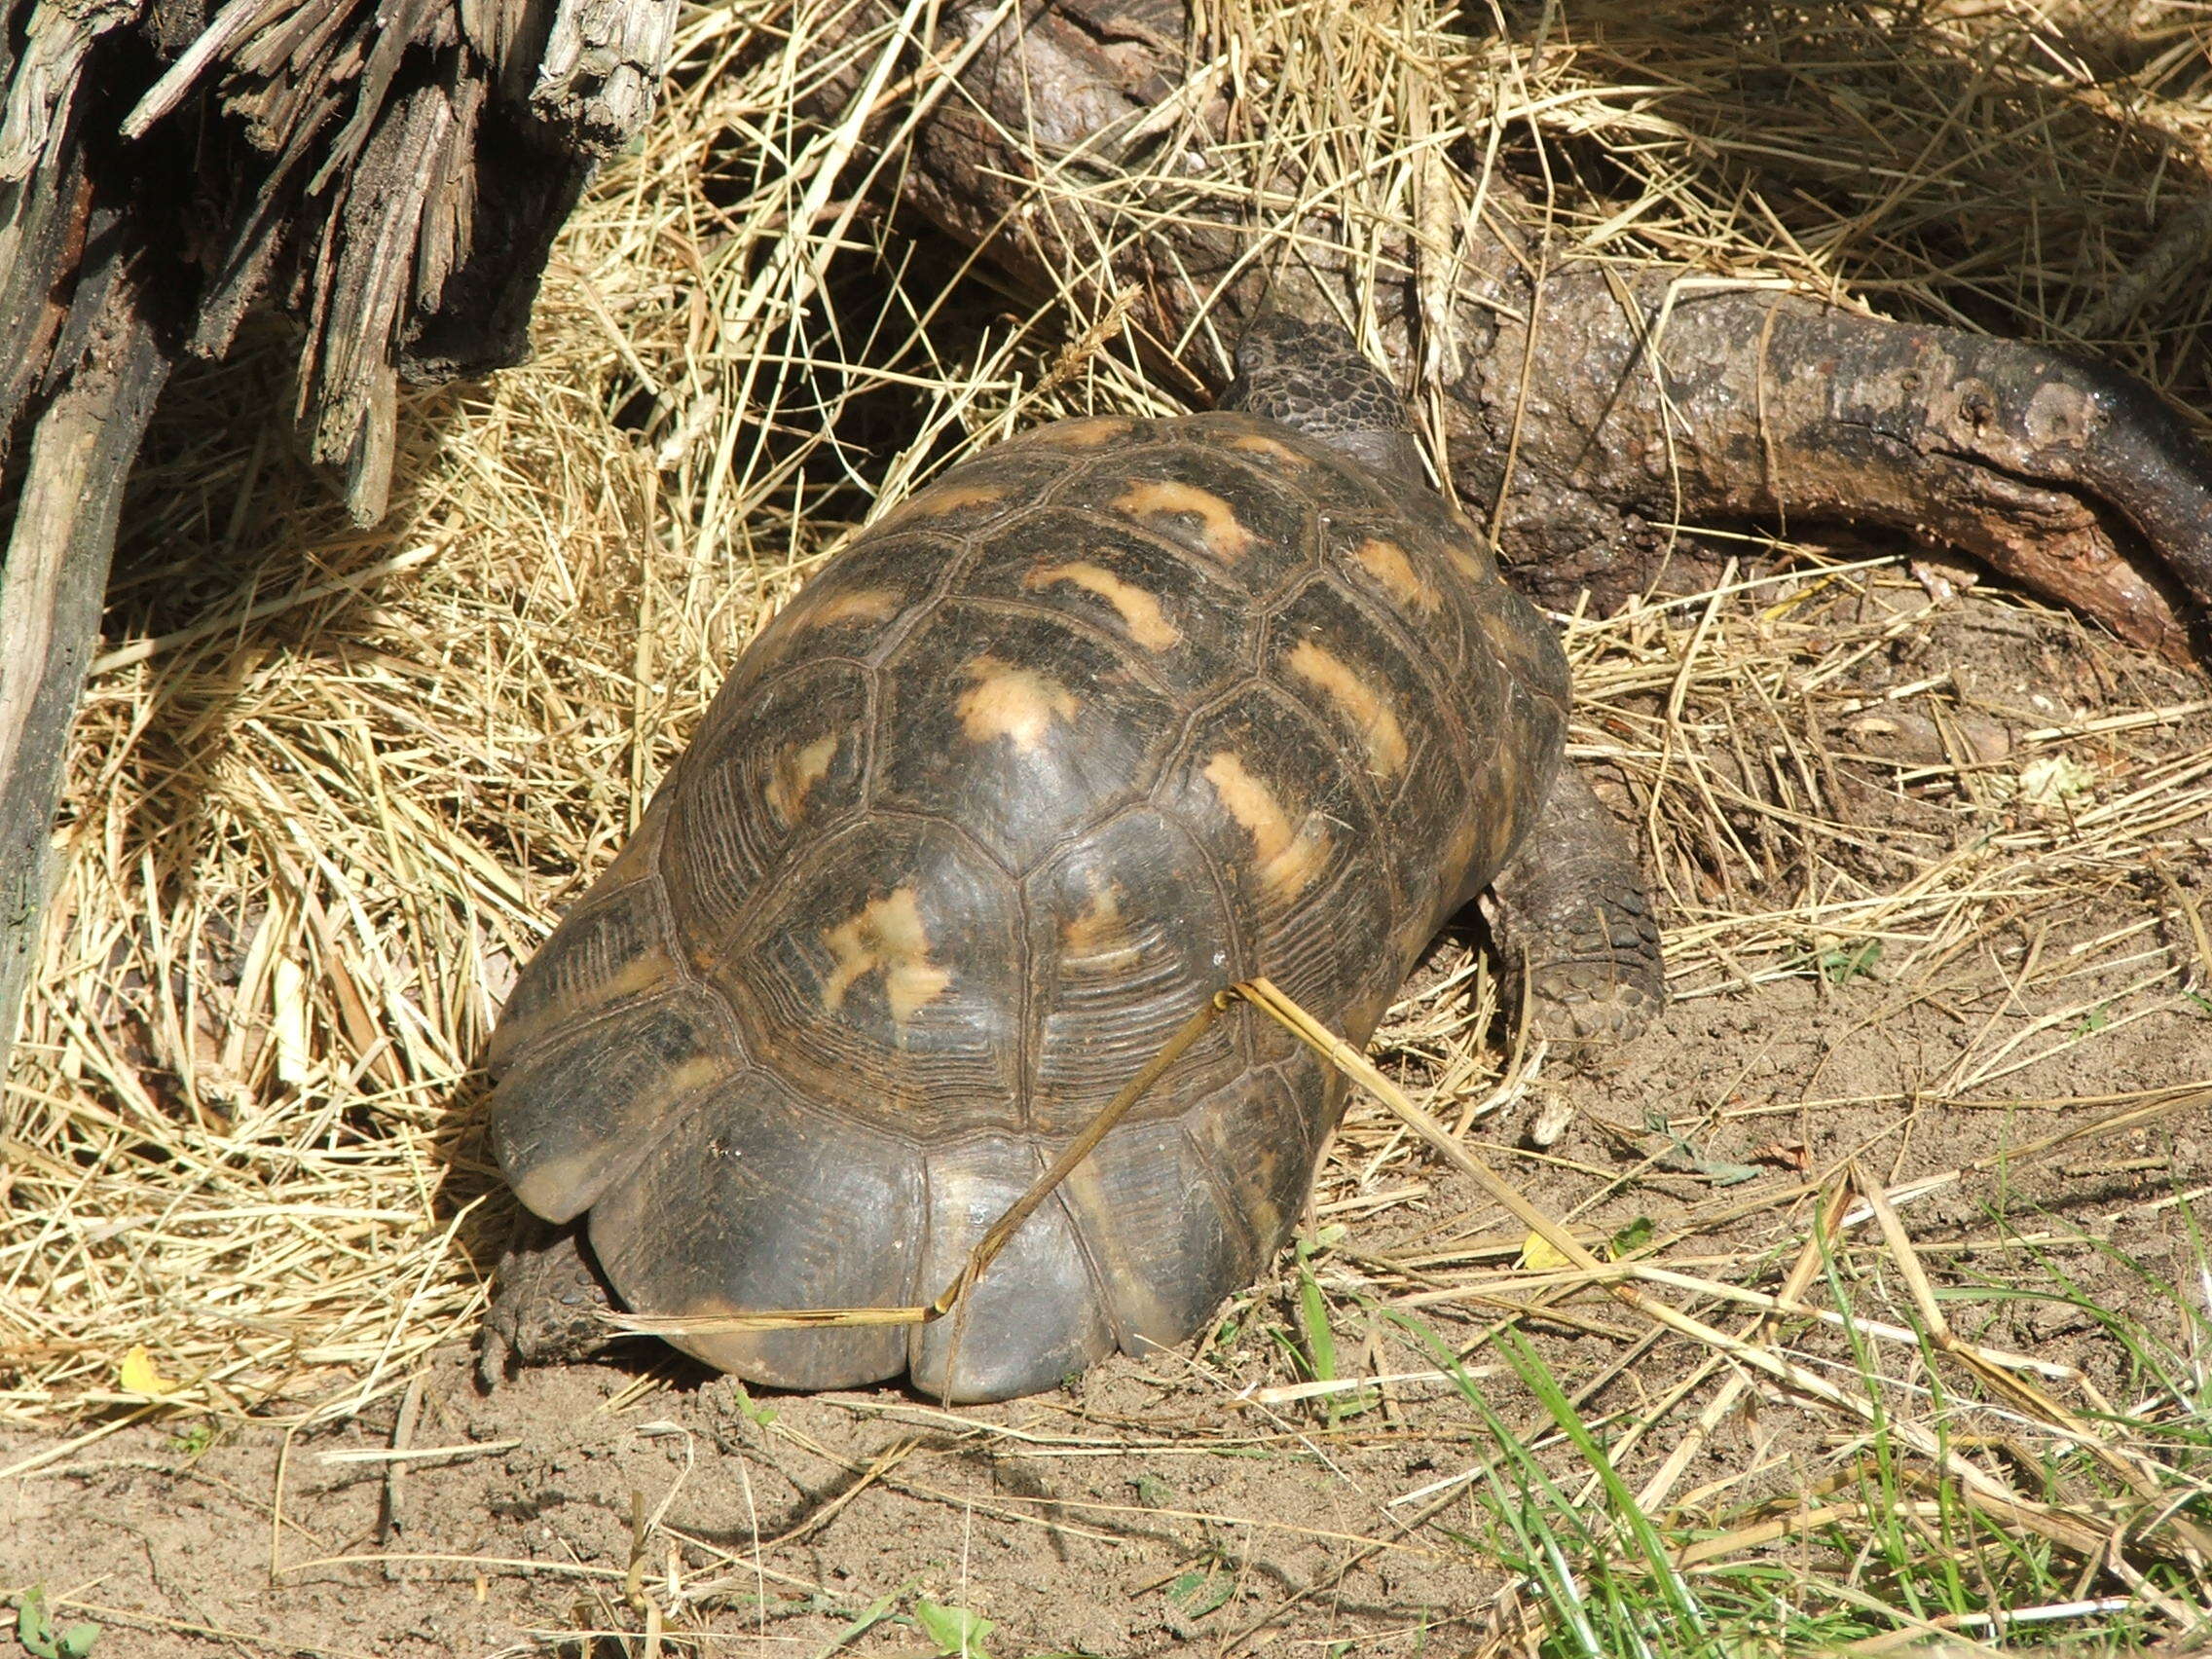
[1114,715]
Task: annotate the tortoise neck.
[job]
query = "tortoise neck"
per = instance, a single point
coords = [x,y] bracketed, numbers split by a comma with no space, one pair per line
[1315,380]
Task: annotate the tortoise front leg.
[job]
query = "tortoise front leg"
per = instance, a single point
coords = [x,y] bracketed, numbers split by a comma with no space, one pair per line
[1573,925]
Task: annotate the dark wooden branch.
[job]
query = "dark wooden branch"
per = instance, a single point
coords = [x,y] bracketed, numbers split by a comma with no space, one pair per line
[391,171]
[52,589]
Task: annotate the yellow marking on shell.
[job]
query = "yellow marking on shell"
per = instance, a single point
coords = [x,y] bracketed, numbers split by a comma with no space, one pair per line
[1498,629]
[691,1076]
[1367,1013]
[1509,767]
[1090,431]
[1260,1208]
[1467,550]
[1513,650]
[887,936]
[1411,937]
[643,972]
[550,1185]
[862,604]
[1257,443]
[1124,1253]
[1366,709]
[1140,611]
[1459,851]
[798,771]
[1217,526]
[1017,702]
[1289,858]
[1387,564]
[942,499]
[1098,932]
[550,1188]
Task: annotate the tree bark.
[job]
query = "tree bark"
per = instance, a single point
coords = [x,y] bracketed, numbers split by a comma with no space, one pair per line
[52,589]
[393,173]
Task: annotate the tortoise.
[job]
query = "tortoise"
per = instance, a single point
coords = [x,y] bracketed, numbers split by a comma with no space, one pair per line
[1110,717]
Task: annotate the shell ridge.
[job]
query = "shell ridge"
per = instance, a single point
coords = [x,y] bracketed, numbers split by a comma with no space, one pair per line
[1441,686]
[1210,1167]
[1101,1296]
[1352,767]
[1244,950]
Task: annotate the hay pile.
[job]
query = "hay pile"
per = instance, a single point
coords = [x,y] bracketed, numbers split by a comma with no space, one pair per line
[330,786]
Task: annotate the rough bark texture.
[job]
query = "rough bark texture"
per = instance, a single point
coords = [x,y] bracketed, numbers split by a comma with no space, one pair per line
[390,172]
[1783,410]
[1624,404]
[393,173]
[51,592]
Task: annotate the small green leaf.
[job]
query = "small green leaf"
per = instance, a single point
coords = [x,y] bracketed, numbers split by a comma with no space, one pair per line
[873,1614]
[1199,1594]
[1722,1173]
[1631,1239]
[1845,963]
[1320,1339]
[1313,1319]
[758,1414]
[31,1628]
[34,1629]
[956,1630]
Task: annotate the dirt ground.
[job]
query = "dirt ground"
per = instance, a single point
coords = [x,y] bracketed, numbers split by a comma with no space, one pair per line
[1155,1502]
[1192,1496]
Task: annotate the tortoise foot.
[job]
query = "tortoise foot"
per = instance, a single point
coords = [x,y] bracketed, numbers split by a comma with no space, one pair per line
[1604,988]
[547,1297]
[1576,929]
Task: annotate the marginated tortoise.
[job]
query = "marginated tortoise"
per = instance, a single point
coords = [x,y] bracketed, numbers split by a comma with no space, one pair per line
[1099,722]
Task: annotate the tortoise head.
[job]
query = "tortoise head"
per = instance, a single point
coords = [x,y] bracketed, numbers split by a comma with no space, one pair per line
[1315,380]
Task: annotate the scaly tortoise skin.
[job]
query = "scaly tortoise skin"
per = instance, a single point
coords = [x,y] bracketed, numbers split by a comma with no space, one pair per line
[1114,715]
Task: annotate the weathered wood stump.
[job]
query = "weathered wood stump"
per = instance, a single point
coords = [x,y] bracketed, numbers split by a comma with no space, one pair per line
[393,176]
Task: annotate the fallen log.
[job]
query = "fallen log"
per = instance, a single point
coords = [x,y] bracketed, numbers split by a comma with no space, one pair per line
[1585,410]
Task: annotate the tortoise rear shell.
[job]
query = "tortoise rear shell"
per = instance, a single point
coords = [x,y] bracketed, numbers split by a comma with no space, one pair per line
[1114,715]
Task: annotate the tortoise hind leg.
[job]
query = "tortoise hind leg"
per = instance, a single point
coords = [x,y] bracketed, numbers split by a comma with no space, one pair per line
[547,1296]
[1571,917]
